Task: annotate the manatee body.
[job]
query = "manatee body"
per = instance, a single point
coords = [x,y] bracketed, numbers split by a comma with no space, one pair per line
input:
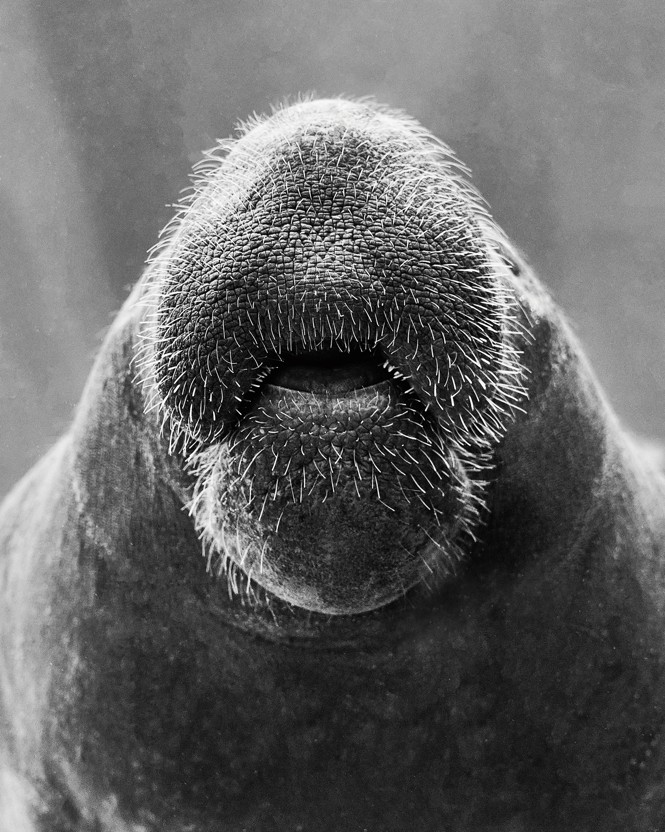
[431,590]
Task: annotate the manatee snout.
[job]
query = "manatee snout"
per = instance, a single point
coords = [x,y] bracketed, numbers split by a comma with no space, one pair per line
[333,342]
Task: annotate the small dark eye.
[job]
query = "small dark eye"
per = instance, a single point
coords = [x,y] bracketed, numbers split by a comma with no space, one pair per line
[509,259]
[512,265]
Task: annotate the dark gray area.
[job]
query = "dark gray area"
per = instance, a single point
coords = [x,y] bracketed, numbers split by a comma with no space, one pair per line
[558,107]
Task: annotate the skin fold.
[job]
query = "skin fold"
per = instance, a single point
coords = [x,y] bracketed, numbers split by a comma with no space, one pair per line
[344,534]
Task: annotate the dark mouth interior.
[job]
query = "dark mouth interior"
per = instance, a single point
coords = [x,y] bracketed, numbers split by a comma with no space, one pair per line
[329,371]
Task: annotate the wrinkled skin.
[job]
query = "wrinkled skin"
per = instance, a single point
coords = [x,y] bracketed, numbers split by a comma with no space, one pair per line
[431,595]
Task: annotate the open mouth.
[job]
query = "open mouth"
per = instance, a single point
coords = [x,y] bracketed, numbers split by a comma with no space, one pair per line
[332,485]
[334,491]
[329,468]
[329,371]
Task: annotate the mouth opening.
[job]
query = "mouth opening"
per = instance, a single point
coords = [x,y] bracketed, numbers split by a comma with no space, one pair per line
[329,371]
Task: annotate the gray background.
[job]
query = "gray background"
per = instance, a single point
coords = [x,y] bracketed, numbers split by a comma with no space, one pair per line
[558,107]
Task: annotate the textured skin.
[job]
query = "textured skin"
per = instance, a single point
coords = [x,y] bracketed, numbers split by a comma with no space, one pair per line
[335,226]
[432,590]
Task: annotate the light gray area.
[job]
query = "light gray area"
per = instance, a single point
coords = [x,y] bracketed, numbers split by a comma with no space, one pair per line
[558,107]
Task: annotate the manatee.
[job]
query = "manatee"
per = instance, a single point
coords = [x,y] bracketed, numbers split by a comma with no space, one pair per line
[344,534]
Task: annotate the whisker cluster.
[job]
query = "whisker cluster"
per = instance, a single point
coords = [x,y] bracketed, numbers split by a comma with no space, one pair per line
[330,226]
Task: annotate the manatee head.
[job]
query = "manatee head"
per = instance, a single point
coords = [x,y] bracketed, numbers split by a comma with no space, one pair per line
[331,348]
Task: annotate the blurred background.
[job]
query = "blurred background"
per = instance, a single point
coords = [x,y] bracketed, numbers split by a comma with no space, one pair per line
[558,107]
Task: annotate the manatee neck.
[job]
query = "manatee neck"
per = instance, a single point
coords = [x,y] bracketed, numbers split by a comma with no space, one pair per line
[520,679]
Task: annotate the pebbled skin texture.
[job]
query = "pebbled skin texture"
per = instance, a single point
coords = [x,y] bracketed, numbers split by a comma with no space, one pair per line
[431,595]
[335,226]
